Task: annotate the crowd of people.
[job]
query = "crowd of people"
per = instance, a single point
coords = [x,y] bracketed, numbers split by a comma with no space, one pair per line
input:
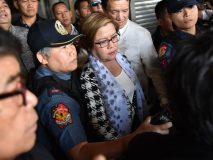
[89,90]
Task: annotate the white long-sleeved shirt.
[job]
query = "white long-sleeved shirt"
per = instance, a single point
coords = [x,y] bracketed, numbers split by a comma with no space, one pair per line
[137,45]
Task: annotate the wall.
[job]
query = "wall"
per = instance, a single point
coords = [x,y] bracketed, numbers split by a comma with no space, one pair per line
[142,12]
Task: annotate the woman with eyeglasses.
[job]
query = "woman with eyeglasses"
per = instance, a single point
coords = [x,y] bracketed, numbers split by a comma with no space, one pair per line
[110,87]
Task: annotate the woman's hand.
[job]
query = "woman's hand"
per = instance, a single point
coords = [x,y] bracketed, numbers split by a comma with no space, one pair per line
[146,126]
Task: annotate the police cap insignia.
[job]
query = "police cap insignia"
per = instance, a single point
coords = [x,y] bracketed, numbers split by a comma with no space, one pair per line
[60,28]
[61,115]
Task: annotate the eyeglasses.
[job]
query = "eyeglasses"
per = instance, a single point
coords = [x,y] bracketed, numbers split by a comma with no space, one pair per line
[95,3]
[104,43]
[21,91]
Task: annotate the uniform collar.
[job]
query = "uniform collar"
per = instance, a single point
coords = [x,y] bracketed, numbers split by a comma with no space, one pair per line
[183,35]
[43,72]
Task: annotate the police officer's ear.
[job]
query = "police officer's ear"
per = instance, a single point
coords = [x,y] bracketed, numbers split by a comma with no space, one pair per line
[41,58]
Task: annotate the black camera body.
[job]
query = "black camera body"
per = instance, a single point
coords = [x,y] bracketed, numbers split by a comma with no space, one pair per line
[161,117]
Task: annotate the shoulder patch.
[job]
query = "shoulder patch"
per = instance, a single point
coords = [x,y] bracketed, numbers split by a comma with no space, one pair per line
[164,48]
[61,115]
[165,54]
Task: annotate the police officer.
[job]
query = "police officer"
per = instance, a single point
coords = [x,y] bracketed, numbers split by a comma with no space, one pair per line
[60,129]
[184,16]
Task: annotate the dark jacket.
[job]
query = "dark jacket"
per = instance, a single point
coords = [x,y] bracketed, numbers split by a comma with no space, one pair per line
[154,146]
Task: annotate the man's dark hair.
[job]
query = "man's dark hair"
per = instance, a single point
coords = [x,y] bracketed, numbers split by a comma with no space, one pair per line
[190,87]
[77,4]
[57,3]
[104,4]
[9,45]
[160,9]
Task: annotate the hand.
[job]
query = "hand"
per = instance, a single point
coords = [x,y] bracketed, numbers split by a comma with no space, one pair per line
[146,126]
[100,157]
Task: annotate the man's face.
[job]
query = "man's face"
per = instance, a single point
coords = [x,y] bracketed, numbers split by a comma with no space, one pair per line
[61,59]
[18,120]
[28,8]
[63,14]
[5,14]
[84,9]
[119,11]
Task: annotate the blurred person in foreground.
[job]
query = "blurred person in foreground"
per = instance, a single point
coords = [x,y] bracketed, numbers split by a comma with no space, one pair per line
[189,83]
[17,114]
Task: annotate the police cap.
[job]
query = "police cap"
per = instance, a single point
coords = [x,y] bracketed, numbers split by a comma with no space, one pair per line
[48,33]
[174,6]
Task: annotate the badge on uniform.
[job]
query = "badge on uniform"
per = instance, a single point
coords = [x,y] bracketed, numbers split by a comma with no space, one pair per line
[61,115]
[162,50]
[165,54]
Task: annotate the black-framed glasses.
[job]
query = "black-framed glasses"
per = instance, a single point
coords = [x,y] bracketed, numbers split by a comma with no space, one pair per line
[21,91]
[95,3]
[105,42]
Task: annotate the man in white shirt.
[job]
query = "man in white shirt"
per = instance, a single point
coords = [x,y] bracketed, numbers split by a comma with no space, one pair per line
[136,44]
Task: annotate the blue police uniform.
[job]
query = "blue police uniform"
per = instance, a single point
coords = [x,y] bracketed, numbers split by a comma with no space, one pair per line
[60,127]
[172,43]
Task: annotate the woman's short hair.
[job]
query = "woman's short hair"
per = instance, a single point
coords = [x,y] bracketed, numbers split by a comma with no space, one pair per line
[90,27]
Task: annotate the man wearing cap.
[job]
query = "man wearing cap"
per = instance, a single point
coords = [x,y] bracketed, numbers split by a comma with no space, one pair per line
[60,129]
[184,16]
